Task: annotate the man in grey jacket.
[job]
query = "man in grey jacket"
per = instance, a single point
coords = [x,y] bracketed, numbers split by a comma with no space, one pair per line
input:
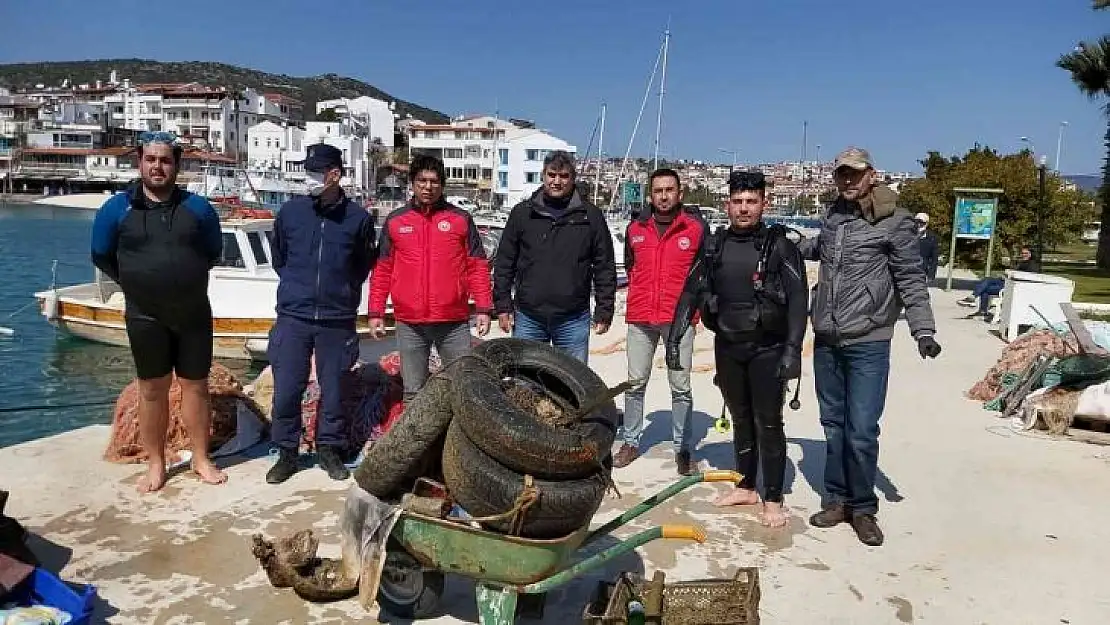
[870,268]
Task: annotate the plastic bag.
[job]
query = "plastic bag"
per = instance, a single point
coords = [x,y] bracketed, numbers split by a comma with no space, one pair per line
[35,615]
[364,530]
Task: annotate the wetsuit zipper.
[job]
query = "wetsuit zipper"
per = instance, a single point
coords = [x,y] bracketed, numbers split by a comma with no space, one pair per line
[838,258]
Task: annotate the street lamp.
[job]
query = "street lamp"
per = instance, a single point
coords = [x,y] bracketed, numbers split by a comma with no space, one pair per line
[1032,148]
[1060,145]
[734,153]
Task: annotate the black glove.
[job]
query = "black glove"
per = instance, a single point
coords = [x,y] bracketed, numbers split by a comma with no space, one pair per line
[790,365]
[927,347]
[672,359]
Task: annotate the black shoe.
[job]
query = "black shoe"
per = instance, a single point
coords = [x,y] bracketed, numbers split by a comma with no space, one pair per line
[330,460]
[867,529]
[682,459]
[284,468]
[830,516]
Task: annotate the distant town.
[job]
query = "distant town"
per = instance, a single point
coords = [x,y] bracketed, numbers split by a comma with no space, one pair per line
[244,143]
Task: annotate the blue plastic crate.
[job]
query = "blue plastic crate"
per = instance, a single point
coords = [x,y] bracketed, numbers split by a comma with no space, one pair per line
[44,588]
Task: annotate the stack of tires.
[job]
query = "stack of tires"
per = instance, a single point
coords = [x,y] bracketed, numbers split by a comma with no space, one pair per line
[463,426]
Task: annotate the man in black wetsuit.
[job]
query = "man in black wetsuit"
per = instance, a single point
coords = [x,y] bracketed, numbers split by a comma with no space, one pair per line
[750,285]
[158,242]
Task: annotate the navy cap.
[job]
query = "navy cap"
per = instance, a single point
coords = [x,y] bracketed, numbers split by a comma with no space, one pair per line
[322,157]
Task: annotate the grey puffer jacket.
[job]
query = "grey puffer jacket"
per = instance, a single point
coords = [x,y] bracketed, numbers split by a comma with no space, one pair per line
[870,268]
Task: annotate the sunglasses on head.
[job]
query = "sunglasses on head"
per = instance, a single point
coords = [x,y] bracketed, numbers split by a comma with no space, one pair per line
[157,136]
[747,181]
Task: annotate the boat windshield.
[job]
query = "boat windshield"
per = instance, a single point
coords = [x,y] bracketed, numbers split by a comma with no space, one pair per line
[232,256]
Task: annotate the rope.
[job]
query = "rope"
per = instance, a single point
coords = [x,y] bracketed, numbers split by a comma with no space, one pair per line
[517,512]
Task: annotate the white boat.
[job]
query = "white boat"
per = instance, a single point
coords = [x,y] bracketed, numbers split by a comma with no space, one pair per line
[242,290]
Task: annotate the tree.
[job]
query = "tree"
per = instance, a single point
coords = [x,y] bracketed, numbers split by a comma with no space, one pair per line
[1089,66]
[1018,207]
[327,115]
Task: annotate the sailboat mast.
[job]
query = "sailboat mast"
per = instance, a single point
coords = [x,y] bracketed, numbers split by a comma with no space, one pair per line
[600,157]
[662,92]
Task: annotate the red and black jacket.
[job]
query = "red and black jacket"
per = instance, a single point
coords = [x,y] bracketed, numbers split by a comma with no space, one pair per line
[431,262]
[657,266]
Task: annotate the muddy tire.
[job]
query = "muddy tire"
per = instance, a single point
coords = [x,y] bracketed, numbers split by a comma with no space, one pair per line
[411,447]
[483,487]
[518,439]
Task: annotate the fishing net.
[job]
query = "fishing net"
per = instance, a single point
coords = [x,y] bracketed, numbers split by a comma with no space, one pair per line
[1017,356]
[125,446]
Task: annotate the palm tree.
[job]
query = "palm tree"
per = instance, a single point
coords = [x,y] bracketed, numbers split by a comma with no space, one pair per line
[1089,65]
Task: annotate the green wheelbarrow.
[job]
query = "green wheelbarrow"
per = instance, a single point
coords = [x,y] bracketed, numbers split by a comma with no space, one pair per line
[423,549]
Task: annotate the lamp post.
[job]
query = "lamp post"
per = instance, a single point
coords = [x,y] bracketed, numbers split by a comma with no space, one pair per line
[734,154]
[1060,145]
[1032,148]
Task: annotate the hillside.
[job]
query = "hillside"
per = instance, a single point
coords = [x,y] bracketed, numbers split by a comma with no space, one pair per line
[309,89]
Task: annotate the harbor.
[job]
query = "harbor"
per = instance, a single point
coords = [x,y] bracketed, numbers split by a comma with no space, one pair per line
[984,524]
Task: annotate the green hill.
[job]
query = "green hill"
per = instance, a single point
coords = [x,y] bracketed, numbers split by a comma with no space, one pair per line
[310,89]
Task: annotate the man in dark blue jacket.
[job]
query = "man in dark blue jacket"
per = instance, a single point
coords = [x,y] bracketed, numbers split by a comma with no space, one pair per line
[158,242]
[323,249]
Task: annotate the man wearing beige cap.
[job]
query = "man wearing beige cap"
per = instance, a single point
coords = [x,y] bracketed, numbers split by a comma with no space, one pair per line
[870,267]
[928,245]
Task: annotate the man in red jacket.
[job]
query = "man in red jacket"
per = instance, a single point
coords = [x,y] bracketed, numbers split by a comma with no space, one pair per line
[431,262]
[659,249]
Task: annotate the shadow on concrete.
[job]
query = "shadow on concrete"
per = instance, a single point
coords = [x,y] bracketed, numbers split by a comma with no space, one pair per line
[459,601]
[659,429]
[720,455]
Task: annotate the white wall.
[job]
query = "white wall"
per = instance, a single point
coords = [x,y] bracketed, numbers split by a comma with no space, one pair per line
[268,143]
[378,113]
[525,174]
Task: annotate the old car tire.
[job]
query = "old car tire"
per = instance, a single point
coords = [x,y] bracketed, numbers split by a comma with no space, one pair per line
[483,487]
[518,439]
[410,449]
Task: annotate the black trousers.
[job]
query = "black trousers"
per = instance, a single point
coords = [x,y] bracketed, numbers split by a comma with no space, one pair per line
[748,377]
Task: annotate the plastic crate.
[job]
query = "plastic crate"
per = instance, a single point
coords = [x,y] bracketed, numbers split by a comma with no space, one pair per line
[699,602]
[44,588]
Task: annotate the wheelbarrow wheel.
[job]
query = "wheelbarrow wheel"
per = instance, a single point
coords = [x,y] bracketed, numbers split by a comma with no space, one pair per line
[517,438]
[410,449]
[407,589]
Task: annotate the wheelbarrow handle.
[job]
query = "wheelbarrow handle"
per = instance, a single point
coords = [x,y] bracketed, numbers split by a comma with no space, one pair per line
[720,475]
[684,532]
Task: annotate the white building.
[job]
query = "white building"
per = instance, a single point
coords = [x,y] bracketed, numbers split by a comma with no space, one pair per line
[375,118]
[488,155]
[272,146]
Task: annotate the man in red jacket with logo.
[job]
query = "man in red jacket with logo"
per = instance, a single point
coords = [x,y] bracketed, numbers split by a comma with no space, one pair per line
[431,262]
[659,249]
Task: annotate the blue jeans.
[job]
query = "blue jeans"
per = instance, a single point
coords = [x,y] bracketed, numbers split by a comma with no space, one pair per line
[986,289]
[570,333]
[851,392]
[642,342]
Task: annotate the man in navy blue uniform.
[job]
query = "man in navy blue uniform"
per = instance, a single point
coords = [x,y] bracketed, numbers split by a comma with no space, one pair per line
[323,250]
[158,242]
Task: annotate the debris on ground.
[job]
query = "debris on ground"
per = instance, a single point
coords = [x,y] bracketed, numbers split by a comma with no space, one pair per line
[538,404]
[291,562]
[1017,356]
[227,396]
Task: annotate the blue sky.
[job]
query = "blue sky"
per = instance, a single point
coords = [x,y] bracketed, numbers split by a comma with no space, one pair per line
[897,77]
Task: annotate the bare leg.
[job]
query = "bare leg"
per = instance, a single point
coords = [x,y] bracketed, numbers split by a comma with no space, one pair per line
[738,497]
[773,514]
[196,414]
[154,417]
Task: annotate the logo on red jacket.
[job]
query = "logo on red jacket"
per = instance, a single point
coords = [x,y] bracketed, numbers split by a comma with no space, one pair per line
[684,243]
[444,226]
[637,239]
[405,230]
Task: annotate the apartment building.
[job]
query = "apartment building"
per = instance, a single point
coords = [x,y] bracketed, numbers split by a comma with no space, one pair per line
[18,115]
[282,147]
[367,117]
[496,160]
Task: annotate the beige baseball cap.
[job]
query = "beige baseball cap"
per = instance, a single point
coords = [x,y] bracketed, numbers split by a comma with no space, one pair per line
[856,158]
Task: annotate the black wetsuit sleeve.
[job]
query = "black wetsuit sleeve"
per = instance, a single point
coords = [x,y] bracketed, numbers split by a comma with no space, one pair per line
[792,272]
[694,291]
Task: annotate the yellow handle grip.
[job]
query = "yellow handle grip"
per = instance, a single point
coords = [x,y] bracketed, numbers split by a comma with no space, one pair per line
[721,476]
[686,532]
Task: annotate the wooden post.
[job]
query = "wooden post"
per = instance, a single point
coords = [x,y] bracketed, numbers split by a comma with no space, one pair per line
[1079,329]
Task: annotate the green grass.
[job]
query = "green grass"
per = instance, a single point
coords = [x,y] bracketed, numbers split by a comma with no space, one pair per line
[1092,285]
[1072,252]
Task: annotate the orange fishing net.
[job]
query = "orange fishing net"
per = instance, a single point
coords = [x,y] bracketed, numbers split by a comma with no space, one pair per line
[1017,356]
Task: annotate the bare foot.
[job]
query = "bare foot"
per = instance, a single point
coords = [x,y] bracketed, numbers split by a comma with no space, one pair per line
[773,515]
[154,479]
[207,472]
[738,497]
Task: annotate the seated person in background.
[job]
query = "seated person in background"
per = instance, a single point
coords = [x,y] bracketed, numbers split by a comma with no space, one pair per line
[990,287]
